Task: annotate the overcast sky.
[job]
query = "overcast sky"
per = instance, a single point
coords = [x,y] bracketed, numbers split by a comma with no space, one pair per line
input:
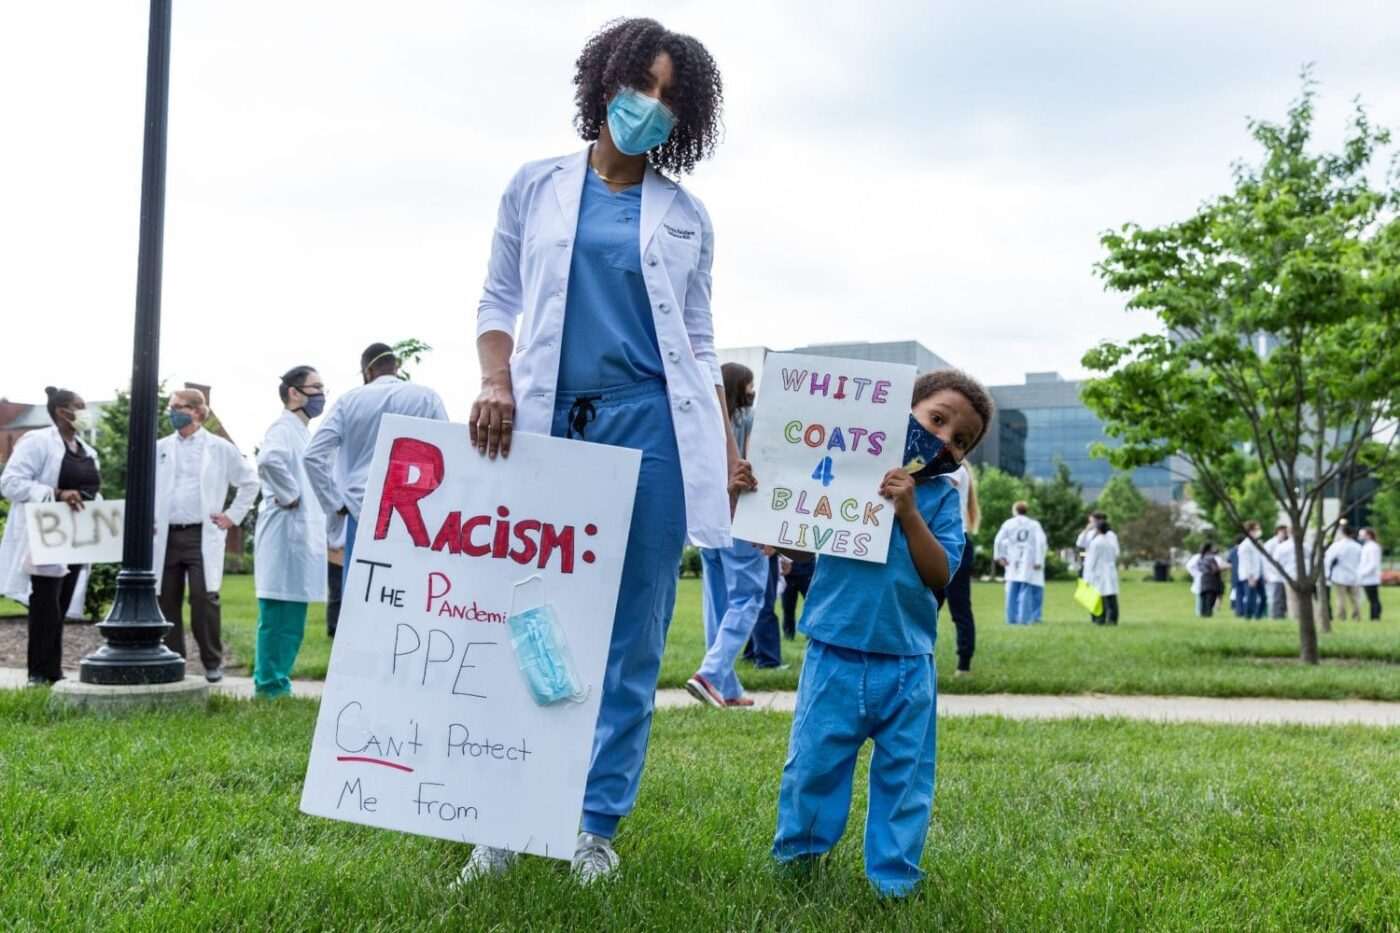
[935,171]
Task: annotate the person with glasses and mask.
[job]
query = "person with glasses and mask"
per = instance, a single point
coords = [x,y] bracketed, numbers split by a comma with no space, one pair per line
[338,457]
[194,471]
[53,464]
[289,549]
[594,324]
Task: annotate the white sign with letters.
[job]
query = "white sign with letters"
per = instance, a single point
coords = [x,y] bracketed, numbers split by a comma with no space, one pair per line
[58,534]
[428,723]
[825,433]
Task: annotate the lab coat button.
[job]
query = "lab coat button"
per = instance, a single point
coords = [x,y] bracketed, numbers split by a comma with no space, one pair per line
[651,260]
[664,308]
[685,404]
[674,356]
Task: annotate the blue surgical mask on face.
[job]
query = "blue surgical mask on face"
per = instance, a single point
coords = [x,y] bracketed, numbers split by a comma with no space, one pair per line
[925,454]
[638,123]
[315,404]
[179,420]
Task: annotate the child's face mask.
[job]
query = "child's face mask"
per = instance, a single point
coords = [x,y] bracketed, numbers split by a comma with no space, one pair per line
[925,454]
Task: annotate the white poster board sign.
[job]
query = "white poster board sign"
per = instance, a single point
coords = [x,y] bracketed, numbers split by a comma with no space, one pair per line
[427,724]
[825,433]
[60,535]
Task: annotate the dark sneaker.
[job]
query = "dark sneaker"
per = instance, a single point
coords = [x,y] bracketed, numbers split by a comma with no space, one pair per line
[213,674]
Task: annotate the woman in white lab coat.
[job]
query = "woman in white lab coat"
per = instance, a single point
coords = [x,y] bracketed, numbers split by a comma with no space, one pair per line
[594,324]
[52,464]
[289,548]
[1101,570]
[1369,571]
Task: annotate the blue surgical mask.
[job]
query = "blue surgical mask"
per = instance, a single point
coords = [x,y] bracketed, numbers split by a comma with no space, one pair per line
[179,420]
[315,404]
[638,123]
[925,454]
[543,656]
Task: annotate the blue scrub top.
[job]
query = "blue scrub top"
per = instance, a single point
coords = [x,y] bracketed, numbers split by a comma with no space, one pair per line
[609,337]
[885,608]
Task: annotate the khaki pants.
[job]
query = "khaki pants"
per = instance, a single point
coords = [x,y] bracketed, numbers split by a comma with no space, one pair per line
[184,558]
[1348,596]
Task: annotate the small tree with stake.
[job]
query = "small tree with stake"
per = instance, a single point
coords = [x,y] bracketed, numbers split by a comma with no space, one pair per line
[1281,306]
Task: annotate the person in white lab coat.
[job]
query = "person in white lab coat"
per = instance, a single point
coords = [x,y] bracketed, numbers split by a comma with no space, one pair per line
[594,324]
[1101,570]
[1205,568]
[52,464]
[289,549]
[1251,563]
[1280,548]
[194,471]
[1342,564]
[338,457]
[1369,571]
[1019,548]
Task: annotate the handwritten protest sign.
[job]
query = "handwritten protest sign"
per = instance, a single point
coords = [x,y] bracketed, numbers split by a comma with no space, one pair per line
[825,433]
[429,723]
[60,535]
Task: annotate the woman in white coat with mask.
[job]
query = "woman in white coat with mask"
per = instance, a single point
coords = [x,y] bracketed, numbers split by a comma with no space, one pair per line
[289,549]
[594,324]
[53,464]
[1101,570]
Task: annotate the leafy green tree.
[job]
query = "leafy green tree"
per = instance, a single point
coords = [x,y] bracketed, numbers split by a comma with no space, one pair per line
[410,350]
[997,491]
[1385,517]
[1151,534]
[1058,504]
[112,433]
[1121,500]
[1277,308]
[1248,487]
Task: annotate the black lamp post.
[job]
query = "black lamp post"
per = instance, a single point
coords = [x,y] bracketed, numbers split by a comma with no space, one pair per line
[134,652]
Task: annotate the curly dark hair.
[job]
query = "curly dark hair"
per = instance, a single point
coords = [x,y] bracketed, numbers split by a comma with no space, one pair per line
[621,55]
[977,396]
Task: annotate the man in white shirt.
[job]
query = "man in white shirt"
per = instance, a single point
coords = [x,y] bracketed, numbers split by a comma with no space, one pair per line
[1251,559]
[1342,564]
[1369,571]
[194,470]
[338,457]
[1280,548]
[1019,548]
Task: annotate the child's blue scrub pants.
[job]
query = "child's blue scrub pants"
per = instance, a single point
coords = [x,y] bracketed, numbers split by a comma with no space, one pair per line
[1023,602]
[735,579]
[637,416]
[843,698]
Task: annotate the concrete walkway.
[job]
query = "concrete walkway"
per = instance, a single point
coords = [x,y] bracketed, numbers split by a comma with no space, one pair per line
[1236,711]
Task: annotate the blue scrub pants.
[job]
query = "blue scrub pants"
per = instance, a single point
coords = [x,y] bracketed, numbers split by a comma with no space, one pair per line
[735,579]
[765,647]
[1255,600]
[1023,602]
[637,416]
[843,698]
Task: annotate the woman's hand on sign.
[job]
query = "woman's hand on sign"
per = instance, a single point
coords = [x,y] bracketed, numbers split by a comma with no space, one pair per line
[493,418]
[741,478]
[72,497]
[898,487]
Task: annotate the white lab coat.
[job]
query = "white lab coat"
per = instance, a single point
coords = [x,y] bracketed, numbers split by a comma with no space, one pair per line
[1281,549]
[221,466]
[1368,571]
[289,549]
[1251,559]
[528,278]
[1195,565]
[1342,562]
[1101,563]
[31,475]
[1021,543]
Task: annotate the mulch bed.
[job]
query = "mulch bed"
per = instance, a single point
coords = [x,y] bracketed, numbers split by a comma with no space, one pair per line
[79,639]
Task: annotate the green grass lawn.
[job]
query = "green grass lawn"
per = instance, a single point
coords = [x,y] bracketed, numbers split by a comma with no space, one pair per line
[189,821]
[1159,648]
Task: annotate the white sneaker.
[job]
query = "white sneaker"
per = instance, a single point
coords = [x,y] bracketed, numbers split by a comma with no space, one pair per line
[485,862]
[594,858]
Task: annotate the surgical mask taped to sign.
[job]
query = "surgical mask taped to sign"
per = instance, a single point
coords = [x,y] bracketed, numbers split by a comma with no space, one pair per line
[541,651]
[925,455]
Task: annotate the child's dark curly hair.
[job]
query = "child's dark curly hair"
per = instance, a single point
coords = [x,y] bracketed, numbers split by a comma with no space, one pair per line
[621,55]
[977,396]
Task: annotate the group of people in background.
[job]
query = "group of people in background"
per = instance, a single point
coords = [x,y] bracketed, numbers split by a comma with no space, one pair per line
[1259,571]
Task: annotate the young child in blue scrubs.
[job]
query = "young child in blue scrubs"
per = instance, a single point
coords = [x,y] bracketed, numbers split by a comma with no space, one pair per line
[869,671]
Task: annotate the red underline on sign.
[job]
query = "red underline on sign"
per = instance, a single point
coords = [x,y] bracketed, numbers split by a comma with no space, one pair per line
[375,761]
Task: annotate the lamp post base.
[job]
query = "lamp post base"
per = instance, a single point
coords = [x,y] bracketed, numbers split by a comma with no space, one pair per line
[135,652]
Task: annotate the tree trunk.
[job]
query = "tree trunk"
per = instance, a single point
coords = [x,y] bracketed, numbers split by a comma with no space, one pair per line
[1324,605]
[1307,631]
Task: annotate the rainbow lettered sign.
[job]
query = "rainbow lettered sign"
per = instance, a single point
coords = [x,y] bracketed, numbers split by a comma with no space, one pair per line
[825,433]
